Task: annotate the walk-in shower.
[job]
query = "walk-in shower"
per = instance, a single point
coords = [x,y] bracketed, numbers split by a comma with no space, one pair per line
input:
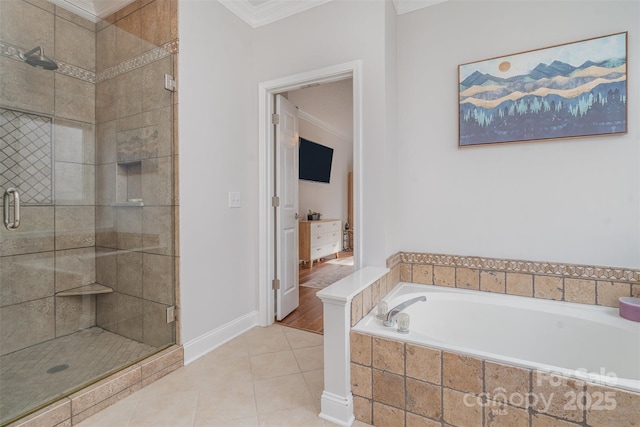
[87,257]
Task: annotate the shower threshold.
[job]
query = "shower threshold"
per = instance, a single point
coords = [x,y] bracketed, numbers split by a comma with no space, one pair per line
[44,372]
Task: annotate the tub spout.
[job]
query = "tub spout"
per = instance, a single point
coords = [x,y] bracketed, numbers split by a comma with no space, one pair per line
[390,318]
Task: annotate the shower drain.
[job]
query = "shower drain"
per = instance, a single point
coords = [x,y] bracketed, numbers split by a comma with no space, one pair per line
[57,368]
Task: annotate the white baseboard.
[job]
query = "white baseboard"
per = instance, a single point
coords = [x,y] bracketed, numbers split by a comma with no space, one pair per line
[205,343]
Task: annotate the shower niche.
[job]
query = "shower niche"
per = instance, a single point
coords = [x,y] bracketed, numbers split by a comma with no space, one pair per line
[133,147]
[129,184]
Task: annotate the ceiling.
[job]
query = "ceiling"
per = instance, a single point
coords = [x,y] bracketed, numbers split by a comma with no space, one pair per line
[262,12]
[254,12]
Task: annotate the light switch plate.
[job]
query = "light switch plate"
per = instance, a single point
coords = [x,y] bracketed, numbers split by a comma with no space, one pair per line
[234,199]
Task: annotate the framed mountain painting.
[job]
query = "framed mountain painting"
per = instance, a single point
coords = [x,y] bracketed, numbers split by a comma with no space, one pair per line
[565,91]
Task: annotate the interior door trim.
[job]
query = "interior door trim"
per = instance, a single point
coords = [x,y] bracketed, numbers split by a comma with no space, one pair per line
[266,93]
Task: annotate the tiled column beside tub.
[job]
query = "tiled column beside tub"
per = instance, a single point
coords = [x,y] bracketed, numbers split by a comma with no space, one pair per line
[403,384]
[368,298]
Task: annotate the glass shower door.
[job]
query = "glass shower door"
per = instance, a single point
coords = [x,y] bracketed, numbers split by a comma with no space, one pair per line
[31,316]
[87,258]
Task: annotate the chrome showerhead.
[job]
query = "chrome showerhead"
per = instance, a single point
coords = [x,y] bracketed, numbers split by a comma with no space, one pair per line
[35,57]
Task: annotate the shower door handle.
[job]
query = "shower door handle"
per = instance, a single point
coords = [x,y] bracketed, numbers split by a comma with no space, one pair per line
[8,195]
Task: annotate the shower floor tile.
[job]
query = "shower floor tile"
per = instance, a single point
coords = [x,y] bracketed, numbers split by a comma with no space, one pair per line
[40,373]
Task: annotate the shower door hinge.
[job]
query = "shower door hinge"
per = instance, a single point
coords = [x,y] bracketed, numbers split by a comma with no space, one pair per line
[169,83]
[275,284]
[275,201]
[275,119]
[171,314]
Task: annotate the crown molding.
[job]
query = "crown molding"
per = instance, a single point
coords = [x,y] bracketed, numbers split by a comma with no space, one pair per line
[106,8]
[270,11]
[92,10]
[303,115]
[263,13]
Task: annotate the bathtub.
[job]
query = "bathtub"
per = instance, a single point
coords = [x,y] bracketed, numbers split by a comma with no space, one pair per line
[575,340]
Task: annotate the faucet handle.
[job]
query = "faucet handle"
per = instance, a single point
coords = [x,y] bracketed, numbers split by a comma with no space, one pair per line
[382,310]
[403,320]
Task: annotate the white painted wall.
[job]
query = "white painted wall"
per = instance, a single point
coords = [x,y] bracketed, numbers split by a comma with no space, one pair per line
[222,62]
[218,154]
[391,201]
[565,201]
[329,108]
[331,103]
[334,33]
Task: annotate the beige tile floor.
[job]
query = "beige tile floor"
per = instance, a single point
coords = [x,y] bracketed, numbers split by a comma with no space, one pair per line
[266,377]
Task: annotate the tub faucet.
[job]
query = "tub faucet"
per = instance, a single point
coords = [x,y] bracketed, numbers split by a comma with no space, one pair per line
[390,318]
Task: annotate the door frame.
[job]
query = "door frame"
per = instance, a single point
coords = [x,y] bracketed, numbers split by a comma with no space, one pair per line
[266,165]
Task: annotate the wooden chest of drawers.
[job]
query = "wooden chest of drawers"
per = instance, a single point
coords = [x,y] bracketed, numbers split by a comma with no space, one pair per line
[318,239]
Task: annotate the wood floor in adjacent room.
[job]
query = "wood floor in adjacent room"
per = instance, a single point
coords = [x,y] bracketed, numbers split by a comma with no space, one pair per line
[308,315]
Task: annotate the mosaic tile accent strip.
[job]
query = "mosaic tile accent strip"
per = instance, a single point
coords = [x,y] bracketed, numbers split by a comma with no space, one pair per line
[10,51]
[139,61]
[26,155]
[76,72]
[13,52]
[519,266]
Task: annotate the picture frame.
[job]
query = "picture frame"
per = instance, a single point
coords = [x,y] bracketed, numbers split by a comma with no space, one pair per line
[570,90]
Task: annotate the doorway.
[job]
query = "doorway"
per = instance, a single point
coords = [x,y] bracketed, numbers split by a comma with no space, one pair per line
[325,127]
[267,92]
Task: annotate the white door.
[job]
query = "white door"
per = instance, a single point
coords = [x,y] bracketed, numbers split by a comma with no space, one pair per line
[286,156]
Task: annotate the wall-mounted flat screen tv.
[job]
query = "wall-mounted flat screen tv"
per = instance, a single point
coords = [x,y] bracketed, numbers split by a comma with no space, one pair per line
[315,161]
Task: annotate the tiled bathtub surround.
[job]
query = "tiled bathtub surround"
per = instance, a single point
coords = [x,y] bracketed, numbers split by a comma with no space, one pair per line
[563,282]
[368,298]
[398,384]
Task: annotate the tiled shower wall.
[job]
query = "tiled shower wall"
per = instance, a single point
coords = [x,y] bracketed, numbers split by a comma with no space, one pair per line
[135,204]
[397,384]
[47,126]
